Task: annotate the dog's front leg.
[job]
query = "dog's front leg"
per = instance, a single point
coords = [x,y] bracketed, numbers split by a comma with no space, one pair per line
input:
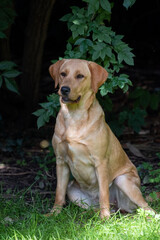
[62,183]
[102,175]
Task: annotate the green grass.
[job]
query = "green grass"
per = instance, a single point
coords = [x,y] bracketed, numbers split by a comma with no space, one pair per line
[23,220]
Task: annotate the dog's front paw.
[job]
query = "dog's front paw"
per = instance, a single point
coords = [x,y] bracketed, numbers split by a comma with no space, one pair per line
[55,211]
[105,213]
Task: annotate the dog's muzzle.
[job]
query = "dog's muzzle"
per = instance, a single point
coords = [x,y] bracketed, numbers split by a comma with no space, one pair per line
[65,90]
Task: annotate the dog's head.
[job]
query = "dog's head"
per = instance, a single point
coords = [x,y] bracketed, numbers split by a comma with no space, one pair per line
[76,77]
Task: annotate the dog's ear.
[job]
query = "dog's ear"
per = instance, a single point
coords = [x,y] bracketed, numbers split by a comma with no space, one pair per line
[54,70]
[98,75]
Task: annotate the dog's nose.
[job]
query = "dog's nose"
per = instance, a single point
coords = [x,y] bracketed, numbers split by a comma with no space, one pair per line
[65,90]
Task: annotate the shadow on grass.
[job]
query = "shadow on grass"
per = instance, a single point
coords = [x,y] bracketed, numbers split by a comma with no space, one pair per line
[22,219]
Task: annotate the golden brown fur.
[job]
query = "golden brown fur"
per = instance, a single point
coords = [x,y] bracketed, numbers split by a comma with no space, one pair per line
[85,145]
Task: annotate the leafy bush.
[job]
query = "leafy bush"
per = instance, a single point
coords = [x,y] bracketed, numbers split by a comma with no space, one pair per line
[48,109]
[7,15]
[133,118]
[92,40]
[150,174]
[144,99]
[7,68]
[7,75]
[141,101]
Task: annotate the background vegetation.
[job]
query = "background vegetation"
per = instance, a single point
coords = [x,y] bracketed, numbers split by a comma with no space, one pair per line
[26,46]
[90,36]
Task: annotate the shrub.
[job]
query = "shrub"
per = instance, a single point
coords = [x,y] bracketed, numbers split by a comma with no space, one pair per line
[7,75]
[7,68]
[93,39]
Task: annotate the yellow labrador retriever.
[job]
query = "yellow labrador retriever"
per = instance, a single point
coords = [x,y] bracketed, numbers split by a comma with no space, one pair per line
[85,145]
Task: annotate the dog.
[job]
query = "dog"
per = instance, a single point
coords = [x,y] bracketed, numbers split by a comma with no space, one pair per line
[85,145]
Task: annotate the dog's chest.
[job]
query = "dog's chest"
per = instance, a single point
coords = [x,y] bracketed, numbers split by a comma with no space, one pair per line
[81,163]
[75,146]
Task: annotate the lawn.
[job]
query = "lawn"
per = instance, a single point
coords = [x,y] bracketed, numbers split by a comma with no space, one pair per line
[23,219]
[27,191]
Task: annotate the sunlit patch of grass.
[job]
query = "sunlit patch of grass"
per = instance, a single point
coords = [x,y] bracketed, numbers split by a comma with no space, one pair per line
[20,220]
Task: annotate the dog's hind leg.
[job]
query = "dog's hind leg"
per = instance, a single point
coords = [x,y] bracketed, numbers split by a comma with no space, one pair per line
[129,187]
[119,200]
[80,197]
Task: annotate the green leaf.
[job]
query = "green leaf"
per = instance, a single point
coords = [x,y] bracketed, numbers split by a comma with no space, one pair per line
[106,88]
[106,63]
[108,51]
[11,74]
[116,40]
[1,81]
[74,31]
[46,116]
[116,127]
[53,98]
[46,105]
[66,17]
[123,82]
[11,13]
[136,93]
[101,50]
[6,16]
[75,9]
[83,47]
[84,41]
[136,119]
[145,99]
[102,33]
[79,41]
[123,50]
[105,4]
[48,109]
[78,30]
[69,47]
[39,112]
[11,85]
[103,90]
[95,55]
[2,35]
[123,117]
[93,6]
[3,22]
[40,121]
[154,101]
[81,29]
[125,88]
[128,3]
[76,22]
[106,103]
[7,65]
[126,56]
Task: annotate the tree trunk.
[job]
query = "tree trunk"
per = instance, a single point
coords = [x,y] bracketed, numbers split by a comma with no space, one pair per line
[40,11]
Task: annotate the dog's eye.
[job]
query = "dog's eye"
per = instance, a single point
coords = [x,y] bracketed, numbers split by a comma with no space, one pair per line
[63,74]
[80,76]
